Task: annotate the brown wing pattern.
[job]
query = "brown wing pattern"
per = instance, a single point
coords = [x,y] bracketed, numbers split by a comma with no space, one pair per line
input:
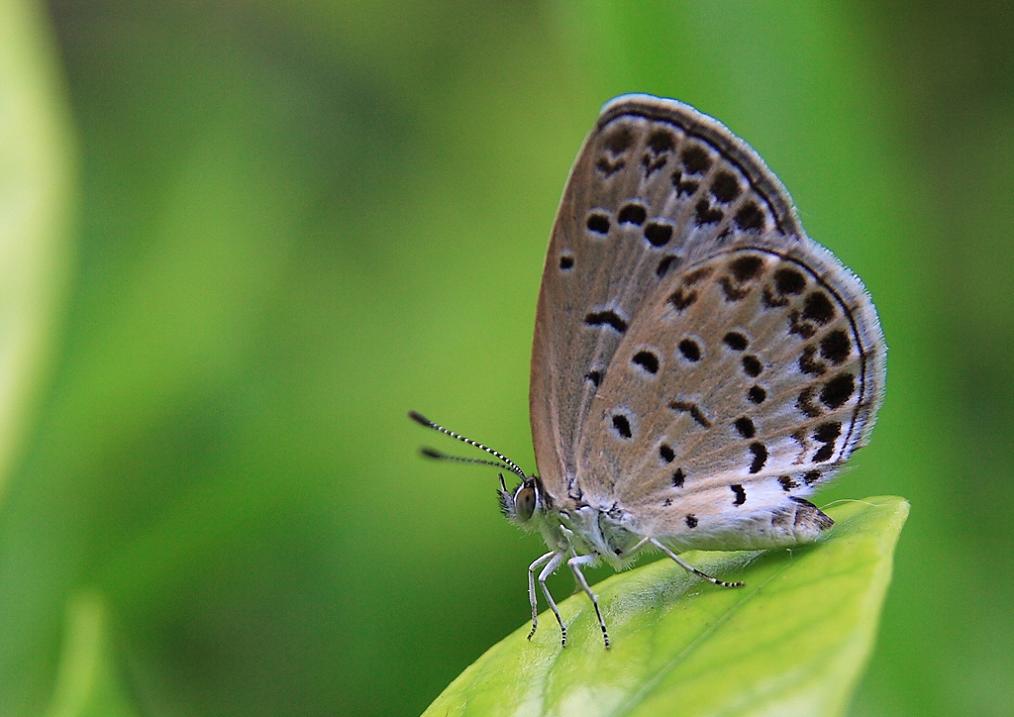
[655,187]
[749,379]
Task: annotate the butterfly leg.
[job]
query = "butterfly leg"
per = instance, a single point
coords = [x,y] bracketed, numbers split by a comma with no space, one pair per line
[549,569]
[691,569]
[575,564]
[536,564]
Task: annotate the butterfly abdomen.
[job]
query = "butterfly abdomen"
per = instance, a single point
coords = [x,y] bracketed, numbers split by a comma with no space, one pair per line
[796,522]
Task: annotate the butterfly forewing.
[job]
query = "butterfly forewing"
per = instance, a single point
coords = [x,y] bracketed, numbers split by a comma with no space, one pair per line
[695,354]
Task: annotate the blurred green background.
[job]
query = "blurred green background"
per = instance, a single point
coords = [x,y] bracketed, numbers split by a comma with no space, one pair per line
[240,239]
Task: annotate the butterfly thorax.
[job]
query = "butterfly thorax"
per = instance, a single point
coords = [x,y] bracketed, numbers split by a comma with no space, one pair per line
[586,529]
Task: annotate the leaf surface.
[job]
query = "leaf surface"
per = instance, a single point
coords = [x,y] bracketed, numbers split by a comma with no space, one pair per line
[793,641]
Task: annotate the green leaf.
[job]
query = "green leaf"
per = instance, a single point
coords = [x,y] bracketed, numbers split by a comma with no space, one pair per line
[35,199]
[87,683]
[792,642]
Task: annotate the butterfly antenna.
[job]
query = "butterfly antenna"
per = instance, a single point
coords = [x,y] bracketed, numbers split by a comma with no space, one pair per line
[430,453]
[441,456]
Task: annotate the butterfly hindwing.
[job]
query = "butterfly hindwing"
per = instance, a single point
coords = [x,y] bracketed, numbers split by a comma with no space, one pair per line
[768,371]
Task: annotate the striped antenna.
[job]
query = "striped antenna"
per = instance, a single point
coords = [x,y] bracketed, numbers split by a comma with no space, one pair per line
[430,453]
[441,456]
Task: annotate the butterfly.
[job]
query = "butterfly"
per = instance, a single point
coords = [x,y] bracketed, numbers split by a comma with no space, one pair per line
[700,365]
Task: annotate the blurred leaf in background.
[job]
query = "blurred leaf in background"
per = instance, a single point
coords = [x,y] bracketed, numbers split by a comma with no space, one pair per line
[298,221]
[36,200]
[35,206]
[87,683]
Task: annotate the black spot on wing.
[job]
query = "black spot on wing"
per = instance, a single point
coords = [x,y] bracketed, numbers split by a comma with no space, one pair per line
[683,187]
[598,223]
[666,264]
[609,167]
[750,216]
[660,141]
[835,347]
[760,456]
[808,364]
[818,308]
[695,159]
[746,267]
[706,214]
[838,390]
[827,432]
[646,360]
[751,366]
[693,410]
[632,214]
[824,453]
[690,349]
[744,427]
[789,281]
[619,140]
[735,341]
[656,234]
[621,425]
[697,275]
[805,403]
[806,329]
[682,298]
[732,290]
[606,318]
[666,453]
[725,188]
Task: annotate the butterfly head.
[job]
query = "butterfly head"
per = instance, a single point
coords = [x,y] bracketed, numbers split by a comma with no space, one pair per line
[524,503]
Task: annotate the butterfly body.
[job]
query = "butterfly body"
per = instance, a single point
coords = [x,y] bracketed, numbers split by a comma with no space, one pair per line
[699,365]
[587,530]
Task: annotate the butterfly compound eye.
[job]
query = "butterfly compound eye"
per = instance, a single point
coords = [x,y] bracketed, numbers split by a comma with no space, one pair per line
[525,500]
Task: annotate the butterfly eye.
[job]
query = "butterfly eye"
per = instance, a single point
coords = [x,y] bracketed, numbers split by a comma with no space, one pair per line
[525,501]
